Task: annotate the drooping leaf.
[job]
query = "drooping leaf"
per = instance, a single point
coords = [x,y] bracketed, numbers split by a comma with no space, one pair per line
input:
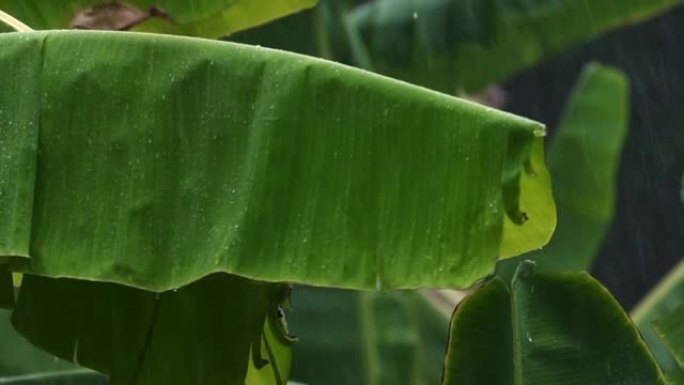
[348,337]
[466,44]
[566,329]
[185,157]
[480,349]
[202,333]
[276,348]
[667,296]
[207,18]
[583,161]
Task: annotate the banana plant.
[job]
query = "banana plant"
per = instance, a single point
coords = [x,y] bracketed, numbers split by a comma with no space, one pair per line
[132,183]
[158,199]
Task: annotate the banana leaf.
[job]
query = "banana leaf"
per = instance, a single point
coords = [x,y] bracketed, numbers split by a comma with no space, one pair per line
[322,31]
[348,337]
[662,301]
[205,333]
[670,329]
[207,18]
[465,45]
[152,161]
[551,328]
[75,377]
[23,364]
[583,161]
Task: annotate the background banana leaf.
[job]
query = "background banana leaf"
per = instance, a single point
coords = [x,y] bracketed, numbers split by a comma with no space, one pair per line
[23,364]
[208,18]
[455,45]
[448,45]
[663,301]
[348,337]
[583,160]
[300,170]
[671,332]
[551,328]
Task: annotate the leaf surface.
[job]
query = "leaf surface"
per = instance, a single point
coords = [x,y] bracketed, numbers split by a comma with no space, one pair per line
[551,328]
[184,157]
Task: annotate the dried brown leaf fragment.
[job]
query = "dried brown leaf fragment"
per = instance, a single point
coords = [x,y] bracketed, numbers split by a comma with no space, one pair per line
[113,16]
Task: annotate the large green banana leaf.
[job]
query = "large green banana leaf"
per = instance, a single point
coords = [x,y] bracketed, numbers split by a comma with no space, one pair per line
[662,301]
[455,45]
[349,337]
[153,160]
[583,161]
[551,328]
[204,333]
[208,18]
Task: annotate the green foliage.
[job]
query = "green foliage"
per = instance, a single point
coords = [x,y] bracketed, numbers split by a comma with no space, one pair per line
[208,18]
[451,45]
[349,337]
[660,304]
[154,162]
[583,161]
[200,333]
[255,162]
[23,364]
[671,332]
[551,328]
